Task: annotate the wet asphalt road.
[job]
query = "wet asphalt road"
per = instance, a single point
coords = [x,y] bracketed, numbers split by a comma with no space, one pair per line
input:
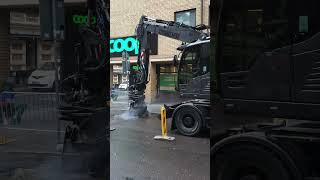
[134,154]
[35,152]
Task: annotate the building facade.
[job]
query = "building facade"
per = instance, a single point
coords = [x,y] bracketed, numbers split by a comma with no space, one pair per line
[27,51]
[21,50]
[124,18]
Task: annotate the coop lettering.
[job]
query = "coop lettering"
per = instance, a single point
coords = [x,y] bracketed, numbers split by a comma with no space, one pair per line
[129,44]
[78,19]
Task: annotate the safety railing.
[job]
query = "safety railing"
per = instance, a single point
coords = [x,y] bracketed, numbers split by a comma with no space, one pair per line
[29,109]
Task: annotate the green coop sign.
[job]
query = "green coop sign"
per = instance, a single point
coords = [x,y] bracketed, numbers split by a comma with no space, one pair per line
[129,44]
[79,19]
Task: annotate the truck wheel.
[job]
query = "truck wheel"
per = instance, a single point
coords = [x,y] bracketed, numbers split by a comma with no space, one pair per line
[248,162]
[188,121]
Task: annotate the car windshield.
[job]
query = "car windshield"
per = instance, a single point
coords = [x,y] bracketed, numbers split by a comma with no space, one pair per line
[47,66]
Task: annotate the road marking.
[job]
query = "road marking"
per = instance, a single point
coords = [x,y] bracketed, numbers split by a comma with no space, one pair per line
[38,130]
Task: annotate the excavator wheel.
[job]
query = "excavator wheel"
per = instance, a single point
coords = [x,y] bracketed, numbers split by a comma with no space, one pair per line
[188,121]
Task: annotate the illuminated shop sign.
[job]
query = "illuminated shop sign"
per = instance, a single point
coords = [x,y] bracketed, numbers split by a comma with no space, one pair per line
[128,44]
[131,45]
[79,19]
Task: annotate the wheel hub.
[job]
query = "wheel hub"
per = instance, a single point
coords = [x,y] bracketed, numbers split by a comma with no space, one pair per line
[188,122]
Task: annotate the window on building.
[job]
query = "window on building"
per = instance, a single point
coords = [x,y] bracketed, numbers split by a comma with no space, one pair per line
[124,78]
[46,57]
[115,79]
[187,17]
[17,57]
[168,77]
[16,46]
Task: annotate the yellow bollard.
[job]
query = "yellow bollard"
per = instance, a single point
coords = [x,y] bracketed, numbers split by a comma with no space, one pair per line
[163,127]
[163,121]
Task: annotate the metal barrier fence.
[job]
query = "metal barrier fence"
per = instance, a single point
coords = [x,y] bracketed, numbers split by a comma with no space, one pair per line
[29,109]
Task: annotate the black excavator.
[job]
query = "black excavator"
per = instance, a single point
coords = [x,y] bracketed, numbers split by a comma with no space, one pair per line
[190,116]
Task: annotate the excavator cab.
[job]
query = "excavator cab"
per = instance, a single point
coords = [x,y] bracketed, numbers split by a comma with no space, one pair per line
[193,70]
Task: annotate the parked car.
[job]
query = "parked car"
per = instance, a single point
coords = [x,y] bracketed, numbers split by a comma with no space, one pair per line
[43,77]
[123,86]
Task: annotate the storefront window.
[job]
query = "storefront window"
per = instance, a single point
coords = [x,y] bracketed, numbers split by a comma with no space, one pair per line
[168,78]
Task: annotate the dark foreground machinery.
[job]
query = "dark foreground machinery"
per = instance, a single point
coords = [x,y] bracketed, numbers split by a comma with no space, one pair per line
[191,116]
[267,72]
[85,104]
